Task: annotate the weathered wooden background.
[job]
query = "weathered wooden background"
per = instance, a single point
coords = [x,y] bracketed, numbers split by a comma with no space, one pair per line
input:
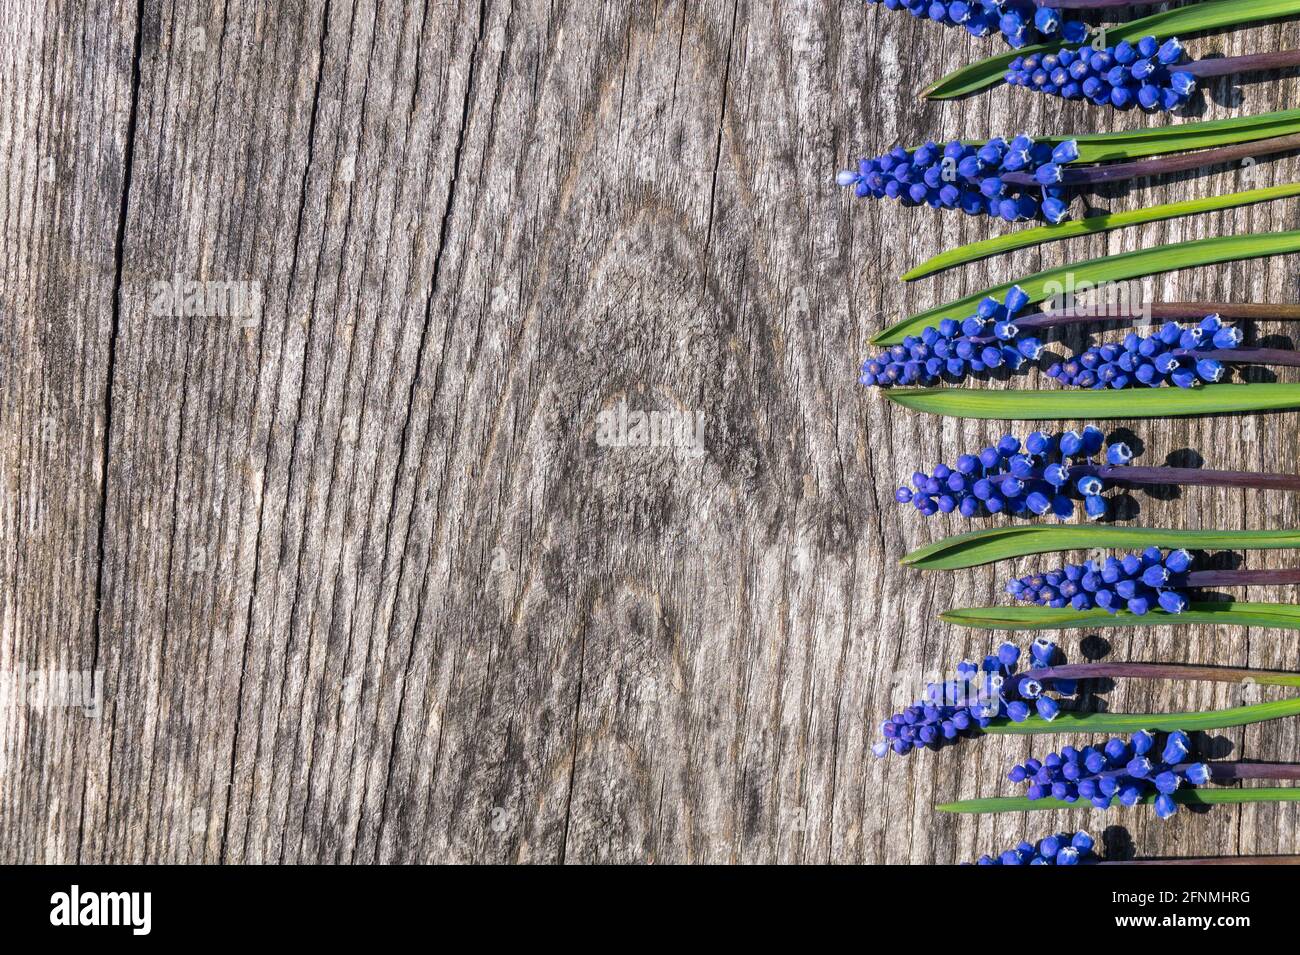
[363,581]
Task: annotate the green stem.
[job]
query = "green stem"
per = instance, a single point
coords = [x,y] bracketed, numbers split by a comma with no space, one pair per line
[1186,797]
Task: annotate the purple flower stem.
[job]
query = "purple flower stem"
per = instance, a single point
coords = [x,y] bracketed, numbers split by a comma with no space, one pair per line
[1161,311]
[1227,65]
[1161,165]
[1164,311]
[1235,772]
[1161,671]
[1186,477]
[1222,772]
[1249,356]
[1240,578]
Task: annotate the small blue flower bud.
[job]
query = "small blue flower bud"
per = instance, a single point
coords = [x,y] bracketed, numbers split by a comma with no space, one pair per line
[1042,650]
[1119,454]
[1055,211]
[1155,576]
[1038,502]
[1177,746]
[1048,174]
[1208,369]
[1047,708]
[1016,299]
[1065,152]
[1170,52]
[1172,602]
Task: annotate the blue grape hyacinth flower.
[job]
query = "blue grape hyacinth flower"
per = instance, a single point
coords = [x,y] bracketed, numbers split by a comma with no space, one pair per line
[1125,75]
[1044,474]
[1066,848]
[1137,583]
[1175,355]
[1019,22]
[976,695]
[1123,771]
[969,177]
[952,350]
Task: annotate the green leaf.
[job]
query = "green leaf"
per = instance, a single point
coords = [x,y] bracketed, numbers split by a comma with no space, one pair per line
[1001,543]
[1137,143]
[1112,268]
[1215,613]
[1184,797]
[1110,723]
[1097,224]
[1068,404]
[1178,22]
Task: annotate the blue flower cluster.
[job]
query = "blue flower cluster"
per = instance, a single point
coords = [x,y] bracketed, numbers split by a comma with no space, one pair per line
[968,177]
[1036,477]
[1019,21]
[952,350]
[1120,770]
[1167,357]
[1133,582]
[977,695]
[1124,75]
[1067,848]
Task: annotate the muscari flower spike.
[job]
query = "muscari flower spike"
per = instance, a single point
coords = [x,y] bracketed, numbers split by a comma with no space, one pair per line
[1125,75]
[1134,582]
[1044,474]
[952,350]
[969,177]
[1121,770]
[1170,356]
[1018,21]
[977,695]
[1066,848]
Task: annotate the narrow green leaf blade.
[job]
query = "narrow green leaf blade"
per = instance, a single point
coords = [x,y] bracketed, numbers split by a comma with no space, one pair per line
[1184,797]
[1110,723]
[1213,613]
[1112,268]
[1002,543]
[1181,22]
[999,245]
[1066,404]
[1136,144]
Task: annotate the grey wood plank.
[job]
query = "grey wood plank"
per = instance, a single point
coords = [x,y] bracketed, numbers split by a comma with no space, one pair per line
[368,581]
